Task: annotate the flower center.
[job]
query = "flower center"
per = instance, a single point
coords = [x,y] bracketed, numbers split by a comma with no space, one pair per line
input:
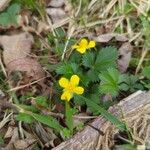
[83,45]
[70,88]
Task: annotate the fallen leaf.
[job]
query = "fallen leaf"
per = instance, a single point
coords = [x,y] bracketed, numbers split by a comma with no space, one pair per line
[26,144]
[46,135]
[9,132]
[14,137]
[30,66]
[125,52]
[104,38]
[56,3]
[16,46]
[56,14]
[42,27]
[16,55]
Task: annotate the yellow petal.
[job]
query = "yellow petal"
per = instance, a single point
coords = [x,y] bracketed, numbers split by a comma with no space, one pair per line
[81,49]
[66,96]
[63,82]
[74,80]
[83,43]
[91,44]
[79,90]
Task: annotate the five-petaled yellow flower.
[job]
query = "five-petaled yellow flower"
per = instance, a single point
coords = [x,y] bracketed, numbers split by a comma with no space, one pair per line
[84,45]
[70,87]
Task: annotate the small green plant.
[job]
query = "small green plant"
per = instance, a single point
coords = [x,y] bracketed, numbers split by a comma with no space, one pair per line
[82,79]
[90,69]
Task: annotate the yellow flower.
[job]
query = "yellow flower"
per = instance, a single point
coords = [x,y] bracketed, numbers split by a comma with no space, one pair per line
[70,87]
[84,45]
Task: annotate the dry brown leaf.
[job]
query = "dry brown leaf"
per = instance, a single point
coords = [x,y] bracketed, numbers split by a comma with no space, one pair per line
[56,3]
[104,38]
[42,26]
[56,14]
[9,132]
[28,65]
[16,46]
[125,52]
[26,144]
[15,136]
[15,55]
[46,135]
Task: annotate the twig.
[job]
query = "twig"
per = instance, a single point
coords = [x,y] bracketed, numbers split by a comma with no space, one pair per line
[23,86]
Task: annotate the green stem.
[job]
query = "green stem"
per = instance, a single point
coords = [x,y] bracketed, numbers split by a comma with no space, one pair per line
[69,116]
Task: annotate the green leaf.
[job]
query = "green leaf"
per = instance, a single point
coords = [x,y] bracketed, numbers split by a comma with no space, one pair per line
[1,140]
[41,101]
[67,69]
[65,133]
[146,72]
[106,58]
[75,58]
[4,19]
[88,59]
[48,120]
[13,9]
[147,85]
[130,83]
[109,81]
[28,108]
[69,116]
[9,16]
[24,117]
[78,101]
[97,108]
[93,75]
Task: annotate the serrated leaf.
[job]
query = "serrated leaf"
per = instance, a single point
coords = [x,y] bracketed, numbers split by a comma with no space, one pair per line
[106,58]
[109,81]
[67,69]
[130,83]
[75,58]
[84,79]
[93,75]
[88,59]
[48,120]
[24,117]
[78,100]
